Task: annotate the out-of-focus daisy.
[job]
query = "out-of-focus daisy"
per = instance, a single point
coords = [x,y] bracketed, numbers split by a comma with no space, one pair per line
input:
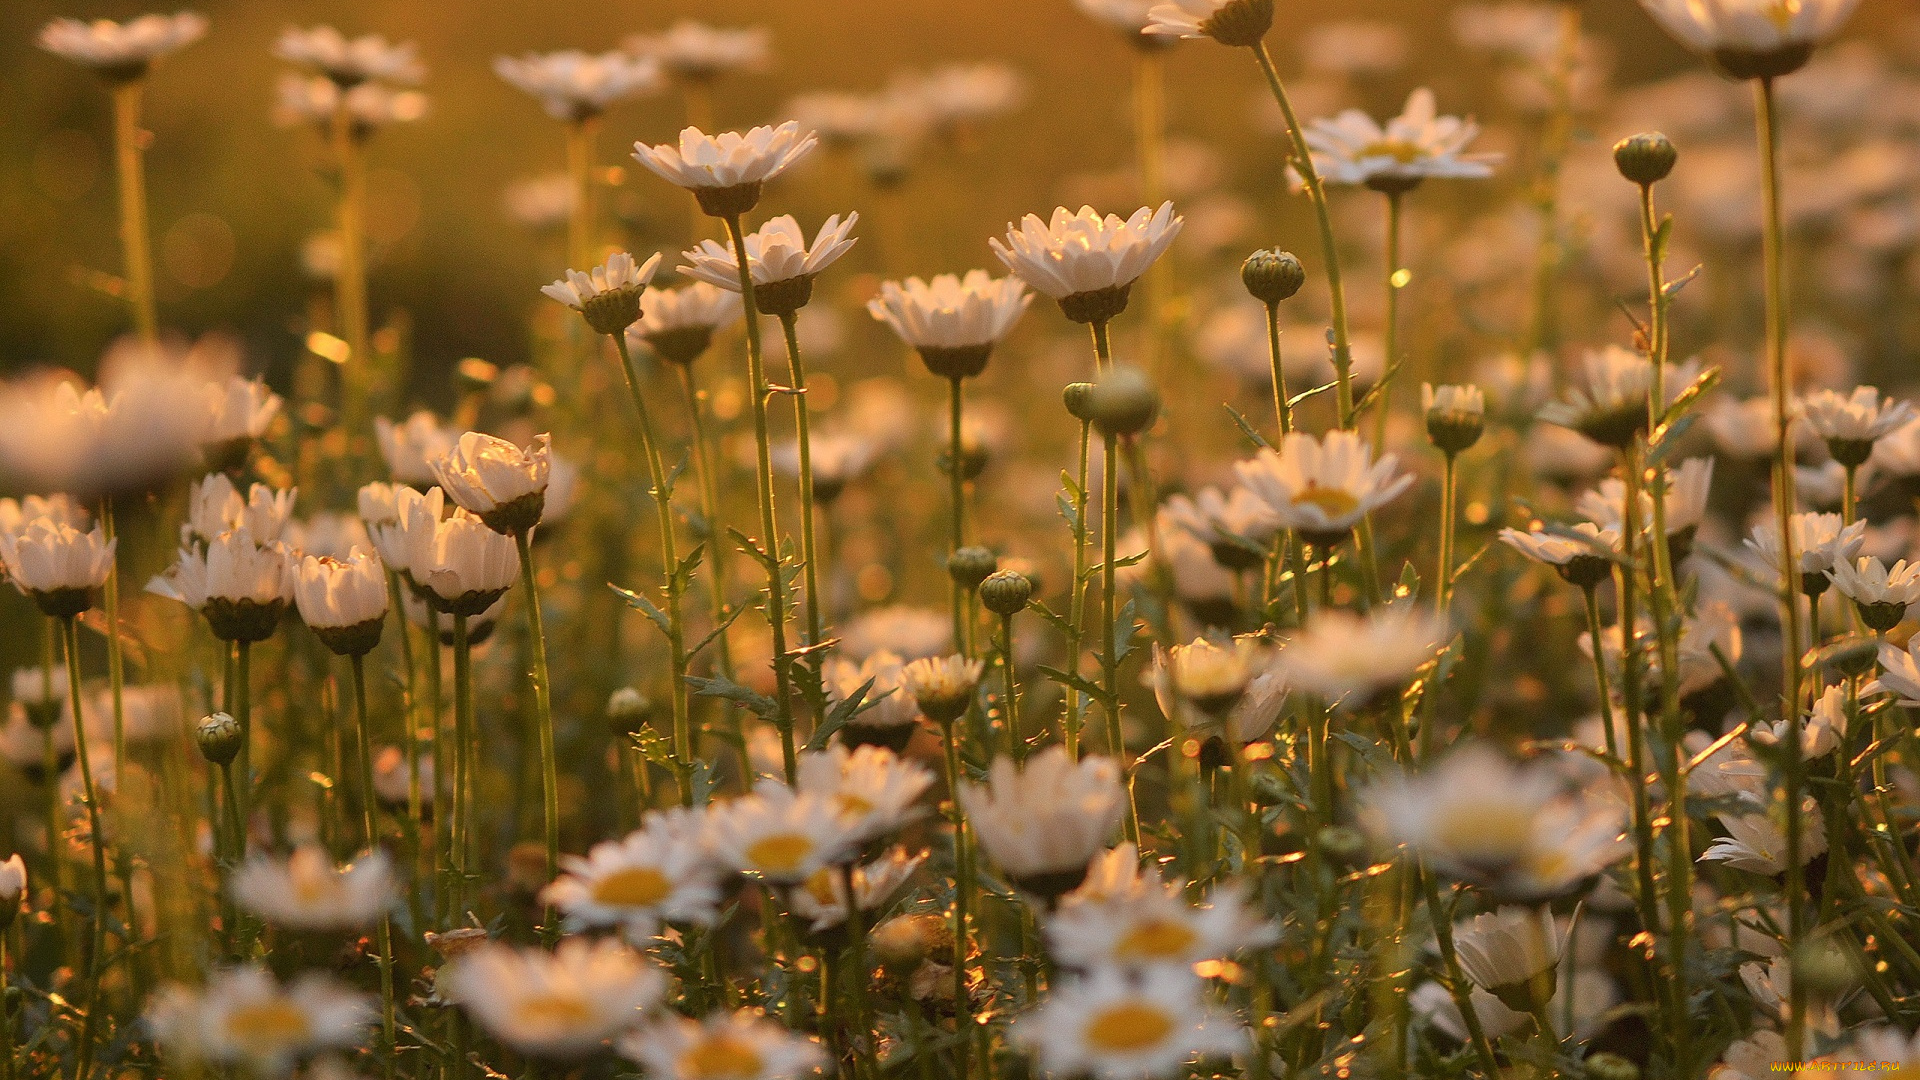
[1511,953]
[1750,39]
[1044,822]
[943,686]
[564,1004]
[143,425]
[1417,145]
[1752,1058]
[1322,488]
[953,322]
[679,324]
[781,835]
[122,52]
[742,1045]
[1515,830]
[409,448]
[1354,47]
[1230,22]
[1686,499]
[1239,526]
[888,711]
[215,506]
[1563,456]
[822,899]
[307,892]
[1882,593]
[239,412]
[243,1017]
[1898,451]
[1742,429]
[960,94]
[693,51]
[1608,402]
[575,86]
[1584,558]
[315,99]
[350,61]
[1254,707]
[15,514]
[1212,676]
[1085,261]
[1149,923]
[1852,424]
[1822,730]
[874,790]
[1756,843]
[1899,673]
[1820,543]
[909,632]
[661,873]
[1115,1026]
[726,171]
[1127,17]
[782,264]
[1345,657]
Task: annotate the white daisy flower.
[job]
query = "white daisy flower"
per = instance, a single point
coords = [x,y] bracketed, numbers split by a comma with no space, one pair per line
[1820,543]
[561,1005]
[1608,402]
[679,324]
[1822,730]
[214,506]
[496,481]
[122,51]
[1687,490]
[1511,953]
[692,51]
[726,171]
[1322,488]
[1128,17]
[1150,924]
[410,448]
[822,899]
[953,322]
[1583,558]
[1882,593]
[1416,145]
[742,1045]
[307,892]
[1852,424]
[942,687]
[56,564]
[1757,844]
[350,62]
[240,410]
[1752,38]
[777,256]
[241,587]
[244,1017]
[875,791]
[1044,822]
[781,835]
[959,94]
[1085,261]
[315,99]
[1752,1058]
[1898,451]
[1238,526]
[572,85]
[1339,655]
[1742,429]
[660,873]
[1899,673]
[1239,23]
[1250,712]
[888,711]
[461,564]
[1113,1026]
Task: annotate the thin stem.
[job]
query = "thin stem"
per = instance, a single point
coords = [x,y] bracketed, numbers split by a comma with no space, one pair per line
[116,662]
[809,559]
[468,763]
[769,526]
[1457,984]
[1150,136]
[350,279]
[1077,601]
[957,511]
[542,705]
[1282,412]
[1015,744]
[410,741]
[710,509]
[1109,588]
[962,902]
[857,972]
[97,953]
[1394,282]
[243,712]
[369,807]
[1449,496]
[135,237]
[670,571]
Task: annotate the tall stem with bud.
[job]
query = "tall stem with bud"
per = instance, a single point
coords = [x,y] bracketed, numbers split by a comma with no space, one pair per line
[135,234]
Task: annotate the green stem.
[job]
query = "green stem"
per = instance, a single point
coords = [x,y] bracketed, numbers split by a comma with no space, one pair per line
[243,713]
[1015,744]
[1150,136]
[1077,602]
[809,559]
[369,809]
[710,509]
[234,850]
[1282,412]
[1449,497]
[91,1006]
[858,976]
[1457,984]
[116,663]
[962,902]
[350,280]
[135,237]
[957,496]
[543,709]
[1392,335]
[1109,588]
[464,770]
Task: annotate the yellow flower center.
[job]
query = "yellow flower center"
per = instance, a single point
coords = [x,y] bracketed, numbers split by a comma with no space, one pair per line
[721,1057]
[1155,939]
[556,1012]
[1484,833]
[632,886]
[274,1022]
[853,805]
[1336,503]
[1399,150]
[781,853]
[1128,1027]
[1781,13]
[820,887]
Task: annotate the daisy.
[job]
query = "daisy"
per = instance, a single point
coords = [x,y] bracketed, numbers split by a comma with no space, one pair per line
[1742,429]
[1322,488]
[887,714]
[144,424]
[1342,656]
[410,448]
[239,411]
[1752,1058]
[1686,499]
[609,295]
[660,873]
[726,172]
[953,323]
[460,564]
[1757,844]
[679,324]
[1899,673]
[57,565]
[1852,425]
[1511,953]
[1085,261]
[1898,451]
[694,52]
[315,99]
[576,86]
[121,52]
[241,587]
[1212,677]
[942,687]
[823,898]
[1113,1026]
[1455,415]
[559,1005]
[782,265]
[1515,830]
[1149,923]
[307,892]
[742,1045]
[1750,39]
[1230,22]
[244,1017]
[1128,17]
[1418,144]
[496,481]
[781,835]
[1822,730]
[1608,402]
[1582,554]
[910,632]
[214,506]
[1434,1004]
[1239,526]
[1882,593]
[350,62]
[1044,822]
[875,791]
[1253,709]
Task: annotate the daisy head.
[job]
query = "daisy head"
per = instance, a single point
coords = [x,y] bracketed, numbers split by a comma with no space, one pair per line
[784,836]
[726,172]
[244,1017]
[559,1005]
[1608,401]
[661,873]
[1752,39]
[1347,658]
[1086,262]
[1323,487]
[1353,149]
[678,324]
[1114,1026]
[1230,22]
[1851,424]
[122,52]
[743,1045]
[1511,953]
[779,259]
[307,892]
[609,295]
[1044,821]
[952,322]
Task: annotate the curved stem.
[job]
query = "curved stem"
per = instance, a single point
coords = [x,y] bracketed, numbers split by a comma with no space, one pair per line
[1457,984]
[135,237]
[97,952]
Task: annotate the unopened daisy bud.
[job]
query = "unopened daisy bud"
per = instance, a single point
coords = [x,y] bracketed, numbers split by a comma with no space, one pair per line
[1239,23]
[1124,402]
[1645,159]
[13,889]
[1456,415]
[219,737]
[969,566]
[1079,400]
[942,687]
[629,710]
[1006,592]
[1272,276]
[905,940]
[1823,969]
[1606,1065]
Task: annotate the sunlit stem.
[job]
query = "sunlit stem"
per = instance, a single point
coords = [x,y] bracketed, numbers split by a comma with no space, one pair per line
[91,1006]
[1015,743]
[962,900]
[1282,413]
[369,810]
[409,703]
[769,528]
[465,765]
[1109,586]
[580,216]
[116,662]
[1077,602]
[542,703]
[670,569]
[135,240]
[1396,279]
[350,278]
[1849,506]
[809,557]
[703,464]
[957,509]
[858,976]
[1449,498]
[1150,137]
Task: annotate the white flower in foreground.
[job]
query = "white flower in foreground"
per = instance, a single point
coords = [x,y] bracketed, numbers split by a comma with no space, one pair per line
[1416,145]
[1822,730]
[244,1017]
[563,1004]
[1511,953]
[1322,488]
[239,411]
[350,61]
[1148,922]
[57,565]
[822,898]
[953,322]
[214,506]
[742,1045]
[1899,673]
[463,563]
[135,432]
[660,873]
[122,51]
[1852,424]
[409,448]
[781,835]
[692,51]
[1230,22]
[1820,543]
[1339,653]
[1752,38]
[1085,261]
[1044,822]
[572,85]
[1113,1026]
[875,790]
[307,892]
[496,481]
[779,259]
[241,587]
[609,295]
[679,324]
[1882,593]
[1518,830]
[343,601]
[726,171]
[1608,401]
[1757,844]
[16,514]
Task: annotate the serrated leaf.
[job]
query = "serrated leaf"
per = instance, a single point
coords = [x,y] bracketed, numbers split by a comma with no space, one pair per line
[749,546]
[690,563]
[1374,391]
[1124,633]
[756,703]
[1067,511]
[1074,682]
[1246,429]
[645,607]
[1667,438]
[1058,621]
[853,705]
[714,634]
[653,747]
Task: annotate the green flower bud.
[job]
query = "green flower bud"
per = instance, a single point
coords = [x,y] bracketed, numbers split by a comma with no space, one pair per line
[1006,592]
[969,566]
[1645,159]
[1079,399]
[1272,276]
[219,737]
[1124,402]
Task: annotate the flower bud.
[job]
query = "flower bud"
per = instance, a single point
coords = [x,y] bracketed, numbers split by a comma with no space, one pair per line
[1645,159]
[1850,657]
[1124,402]
[629,710]
[1456,415]
[1006,592]
[219,737]
[1272,276]
[969,566]
[1079,399]
[1606,1065]
[13,889]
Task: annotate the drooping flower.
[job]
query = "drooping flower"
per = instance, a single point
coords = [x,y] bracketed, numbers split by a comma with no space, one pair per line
[307,892]
[779,259]
[57,565]
[1044,822]
[952,322]
[559,1005]
[343,601]
[1345,657]
[660,873]
[1418,144]
[742,1045]
[1322,488]
[244,1017]
[350,61]
[1115,1026]
[122,52]
[497,481]
[1750,39]
[573,85]
[692,51]
[1085,261]
[726,171]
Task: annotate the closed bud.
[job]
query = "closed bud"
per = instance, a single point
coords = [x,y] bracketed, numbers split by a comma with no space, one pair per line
[1006,592]
[629,710]
[219,737]
[1272,276]
[1124,402]
[969,566]
[1079,399]
[1342,844]
[1824,969]
[905,940]
[1645,159]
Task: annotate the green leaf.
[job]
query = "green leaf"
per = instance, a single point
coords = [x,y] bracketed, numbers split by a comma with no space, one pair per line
[853,705]
[684,572]
[1074,682]
[1246,429]
[1067,511]
[1294,401]
[1125,631]
[1408,587]
[653,747]
[714,634]
[1057,620]
[645,607]
[758,704]
[1673,287]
